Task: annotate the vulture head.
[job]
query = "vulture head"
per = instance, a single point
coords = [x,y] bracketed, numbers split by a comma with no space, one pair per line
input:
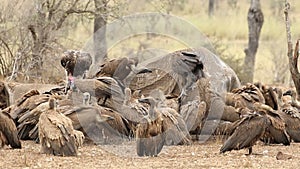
[154,104]
[52,103]
[76,64]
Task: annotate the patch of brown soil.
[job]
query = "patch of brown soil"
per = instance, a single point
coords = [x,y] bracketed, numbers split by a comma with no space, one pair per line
[124,156]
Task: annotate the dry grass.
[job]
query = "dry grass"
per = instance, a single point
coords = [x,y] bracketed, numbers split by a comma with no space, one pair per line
[124,156]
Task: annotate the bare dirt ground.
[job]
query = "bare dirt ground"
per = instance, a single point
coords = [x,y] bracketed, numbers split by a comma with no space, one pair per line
[205,155]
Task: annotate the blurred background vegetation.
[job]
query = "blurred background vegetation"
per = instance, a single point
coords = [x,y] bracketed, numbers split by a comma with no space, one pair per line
[226,27]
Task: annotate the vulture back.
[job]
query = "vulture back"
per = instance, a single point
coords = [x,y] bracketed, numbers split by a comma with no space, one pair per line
[56,133]
[248,130]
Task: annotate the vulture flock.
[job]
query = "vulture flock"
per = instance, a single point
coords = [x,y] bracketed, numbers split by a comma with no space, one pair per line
[158,102]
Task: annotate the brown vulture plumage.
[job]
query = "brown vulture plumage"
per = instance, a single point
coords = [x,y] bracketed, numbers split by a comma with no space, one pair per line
[264,123]
[118,68]
[56,133]
[294,101]
[25,113]
[247,132]
[290,113]
[4,96]
[174,126]
[244,96]
[76,62]
[8,131]
[174,74]
[102,125]
[162,125]
[269,94]
[149,132]
[27,123]
[276,132]
[291,117]
[28,102]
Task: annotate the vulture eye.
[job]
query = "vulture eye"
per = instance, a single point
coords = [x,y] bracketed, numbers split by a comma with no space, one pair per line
[63,63]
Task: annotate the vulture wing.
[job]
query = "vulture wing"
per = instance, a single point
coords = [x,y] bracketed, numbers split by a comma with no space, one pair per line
[9,130]
[57,134]
[150,139]
[291,118]
[174,128]
[249,130]
[27,123]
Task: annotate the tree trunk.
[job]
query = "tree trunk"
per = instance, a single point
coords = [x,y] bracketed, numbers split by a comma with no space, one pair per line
[292,55]
[211,5]
[255,22]
[100,20]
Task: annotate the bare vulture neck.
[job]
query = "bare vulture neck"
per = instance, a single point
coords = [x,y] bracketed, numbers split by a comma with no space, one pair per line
[153,109]
[52,104]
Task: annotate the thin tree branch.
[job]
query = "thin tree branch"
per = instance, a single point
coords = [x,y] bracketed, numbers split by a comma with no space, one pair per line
[293,57]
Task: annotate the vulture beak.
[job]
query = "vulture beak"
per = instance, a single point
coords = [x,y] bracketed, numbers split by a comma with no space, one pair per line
[139,70]
[104,118]
[144,100]
[144,70]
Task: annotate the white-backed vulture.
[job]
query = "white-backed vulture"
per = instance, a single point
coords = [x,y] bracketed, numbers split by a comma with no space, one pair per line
[276,132]
[100,124]
[22,108]
[8,131]
[162,125]
[118,68]
[247,132]
[174,74]
[264,123]
[28,104]
[171,71]
[294,101]
[26,111]
[289,113]
[269,94]
[174,125]
[149,132]
[56,133]
[27,123]
[291,117]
